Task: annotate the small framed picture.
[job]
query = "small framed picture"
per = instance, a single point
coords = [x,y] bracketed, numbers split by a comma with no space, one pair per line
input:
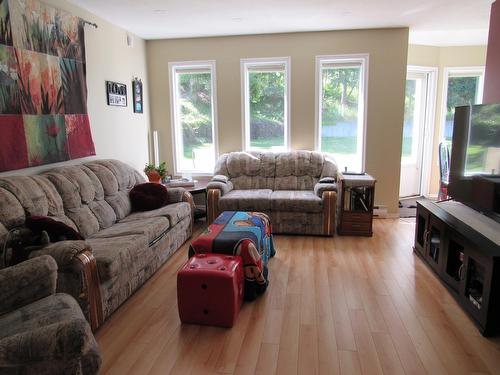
[116,93]
[137,90]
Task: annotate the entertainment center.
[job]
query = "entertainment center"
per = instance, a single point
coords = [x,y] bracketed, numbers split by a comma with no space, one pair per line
[462,247]
[460,239]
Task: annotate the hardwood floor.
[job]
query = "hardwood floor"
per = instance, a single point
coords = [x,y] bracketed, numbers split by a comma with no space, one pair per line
[342,305]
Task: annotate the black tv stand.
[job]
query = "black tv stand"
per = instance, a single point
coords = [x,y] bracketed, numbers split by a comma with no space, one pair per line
[463,248]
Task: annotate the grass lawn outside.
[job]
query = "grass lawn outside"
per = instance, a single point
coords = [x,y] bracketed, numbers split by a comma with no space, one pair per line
[267,142]
[188,149]
[338,145]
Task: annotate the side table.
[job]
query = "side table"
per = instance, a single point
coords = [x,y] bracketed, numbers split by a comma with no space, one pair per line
[356,204]
[200,187]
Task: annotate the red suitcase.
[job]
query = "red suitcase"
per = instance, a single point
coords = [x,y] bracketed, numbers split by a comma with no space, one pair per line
[210,289]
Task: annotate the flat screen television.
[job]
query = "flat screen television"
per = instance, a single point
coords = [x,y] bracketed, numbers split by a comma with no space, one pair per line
[475,156]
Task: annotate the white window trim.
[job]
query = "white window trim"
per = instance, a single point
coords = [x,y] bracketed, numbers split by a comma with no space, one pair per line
[174,115]
[245,112]
[465,71]
[364,59]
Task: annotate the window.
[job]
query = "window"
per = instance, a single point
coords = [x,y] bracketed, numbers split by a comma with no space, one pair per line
[266,96]
[341,84]
[193,96]
[463,86]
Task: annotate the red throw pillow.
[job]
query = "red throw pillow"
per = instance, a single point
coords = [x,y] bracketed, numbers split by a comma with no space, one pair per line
[148,196]
[56,230]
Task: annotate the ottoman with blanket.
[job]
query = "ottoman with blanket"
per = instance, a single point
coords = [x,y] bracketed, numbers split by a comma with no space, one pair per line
[247,234]
[120,249]
[298,189]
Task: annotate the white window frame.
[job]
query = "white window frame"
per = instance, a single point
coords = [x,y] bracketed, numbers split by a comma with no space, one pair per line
[173,67]
[462,71]
[245,113]
[364,59]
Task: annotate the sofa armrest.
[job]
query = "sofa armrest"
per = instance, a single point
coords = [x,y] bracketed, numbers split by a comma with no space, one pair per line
[320,187]
[329,199]
[69,340]
[175,194]
[224,187]
[27,282]
[78,276]
[63,252]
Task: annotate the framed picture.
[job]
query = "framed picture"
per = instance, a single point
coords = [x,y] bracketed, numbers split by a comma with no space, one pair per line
[116,93]
[137,90]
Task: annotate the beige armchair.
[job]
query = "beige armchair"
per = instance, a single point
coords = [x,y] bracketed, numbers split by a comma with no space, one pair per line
[42,332]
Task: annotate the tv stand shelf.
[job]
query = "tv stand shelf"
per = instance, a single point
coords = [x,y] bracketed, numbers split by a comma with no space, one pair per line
[462,247]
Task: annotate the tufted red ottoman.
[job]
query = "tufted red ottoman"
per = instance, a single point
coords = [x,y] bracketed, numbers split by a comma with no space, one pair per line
[210,289]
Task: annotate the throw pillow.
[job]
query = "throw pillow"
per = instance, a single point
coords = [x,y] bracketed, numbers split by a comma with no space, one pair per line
[56,230]
[148,196]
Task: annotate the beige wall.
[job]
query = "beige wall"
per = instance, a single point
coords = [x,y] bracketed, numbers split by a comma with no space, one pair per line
[443,57]
[117,132]
[387,69]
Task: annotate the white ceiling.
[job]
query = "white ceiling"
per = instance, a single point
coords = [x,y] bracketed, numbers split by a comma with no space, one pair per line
[431,22]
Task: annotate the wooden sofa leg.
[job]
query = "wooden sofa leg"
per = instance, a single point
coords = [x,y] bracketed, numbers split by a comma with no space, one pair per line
[213,196]
[329,207]
[91,288]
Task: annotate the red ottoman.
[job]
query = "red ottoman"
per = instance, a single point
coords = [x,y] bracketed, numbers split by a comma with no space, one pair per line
[210,289]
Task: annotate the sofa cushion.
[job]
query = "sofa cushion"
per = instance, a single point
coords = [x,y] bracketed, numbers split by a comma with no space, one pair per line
[299,163]
[54,201]
[152,228]
[120,255]
[85,220]
[103,212]
[49,310]
[243,163]
[29,194]
[295,201]
[243,200]
[80,179]
[295,183]
[11,212]
[174,212]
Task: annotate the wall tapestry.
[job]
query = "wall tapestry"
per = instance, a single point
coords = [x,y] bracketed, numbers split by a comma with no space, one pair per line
[43,90]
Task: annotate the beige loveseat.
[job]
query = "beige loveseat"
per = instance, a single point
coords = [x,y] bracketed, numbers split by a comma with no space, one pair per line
[296,189]
[121,250]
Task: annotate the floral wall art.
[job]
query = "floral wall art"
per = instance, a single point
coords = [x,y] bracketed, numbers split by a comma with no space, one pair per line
[43,91]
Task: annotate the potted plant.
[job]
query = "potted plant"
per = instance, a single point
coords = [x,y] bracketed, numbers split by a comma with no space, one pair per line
[156,174]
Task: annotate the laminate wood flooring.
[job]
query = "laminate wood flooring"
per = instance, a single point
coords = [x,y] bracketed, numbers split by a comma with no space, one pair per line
[342,305]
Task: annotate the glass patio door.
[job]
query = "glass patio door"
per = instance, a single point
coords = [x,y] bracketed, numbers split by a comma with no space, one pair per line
[413,133]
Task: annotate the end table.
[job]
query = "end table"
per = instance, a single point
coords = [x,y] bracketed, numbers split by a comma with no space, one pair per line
[356,204]
[200,187]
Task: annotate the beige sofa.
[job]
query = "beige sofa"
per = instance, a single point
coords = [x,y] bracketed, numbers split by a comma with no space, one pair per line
[296,189]
[121,250]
